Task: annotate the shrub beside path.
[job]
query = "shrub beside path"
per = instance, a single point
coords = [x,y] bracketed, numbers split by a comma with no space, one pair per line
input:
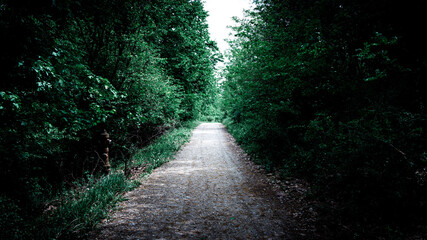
[209,191]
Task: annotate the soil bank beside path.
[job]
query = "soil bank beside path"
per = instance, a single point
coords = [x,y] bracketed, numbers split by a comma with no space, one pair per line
[209,191]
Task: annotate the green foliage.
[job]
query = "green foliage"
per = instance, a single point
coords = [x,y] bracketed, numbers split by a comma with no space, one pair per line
[71,69]
[78,211]
[10,219]
[331,91]
[163,148]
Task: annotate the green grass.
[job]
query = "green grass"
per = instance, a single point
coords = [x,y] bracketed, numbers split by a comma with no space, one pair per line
[164,148]
[76,212]
[79,210]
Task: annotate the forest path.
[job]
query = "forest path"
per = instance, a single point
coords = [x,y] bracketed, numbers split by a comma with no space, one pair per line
[210,191]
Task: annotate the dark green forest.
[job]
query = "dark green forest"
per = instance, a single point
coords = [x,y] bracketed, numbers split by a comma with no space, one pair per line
[329,91]
[334,92]
[71,69]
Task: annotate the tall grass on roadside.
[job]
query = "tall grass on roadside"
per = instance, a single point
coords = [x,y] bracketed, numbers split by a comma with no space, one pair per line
[75,212]
[163,149]
[79,210]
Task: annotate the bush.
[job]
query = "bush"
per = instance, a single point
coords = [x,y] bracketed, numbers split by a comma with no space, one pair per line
[72,214]
[11,221]
[163,148]
[333,93]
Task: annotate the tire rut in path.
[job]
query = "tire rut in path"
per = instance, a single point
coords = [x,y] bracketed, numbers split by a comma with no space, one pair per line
[207,192]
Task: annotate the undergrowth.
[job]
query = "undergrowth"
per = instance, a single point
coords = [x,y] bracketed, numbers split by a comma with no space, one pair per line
[164,148]
[79,210]
[75,212]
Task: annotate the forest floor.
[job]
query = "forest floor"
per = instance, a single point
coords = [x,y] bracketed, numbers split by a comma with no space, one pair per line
[211,190]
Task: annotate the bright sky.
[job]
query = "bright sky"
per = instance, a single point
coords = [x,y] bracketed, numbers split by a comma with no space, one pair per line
[220,16]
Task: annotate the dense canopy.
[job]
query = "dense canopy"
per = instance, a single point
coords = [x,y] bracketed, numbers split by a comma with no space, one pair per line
[335,92]
[71,69]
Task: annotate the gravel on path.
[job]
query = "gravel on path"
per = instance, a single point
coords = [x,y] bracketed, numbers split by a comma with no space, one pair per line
[209,191]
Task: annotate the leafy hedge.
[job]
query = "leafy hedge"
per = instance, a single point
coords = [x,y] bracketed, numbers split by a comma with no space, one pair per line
[332,91]
[71,69]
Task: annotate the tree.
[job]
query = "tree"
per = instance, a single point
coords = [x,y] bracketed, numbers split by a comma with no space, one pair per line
[74,68]
[328,90]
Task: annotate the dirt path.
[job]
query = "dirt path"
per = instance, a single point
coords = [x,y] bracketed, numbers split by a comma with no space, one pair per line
[207,192]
